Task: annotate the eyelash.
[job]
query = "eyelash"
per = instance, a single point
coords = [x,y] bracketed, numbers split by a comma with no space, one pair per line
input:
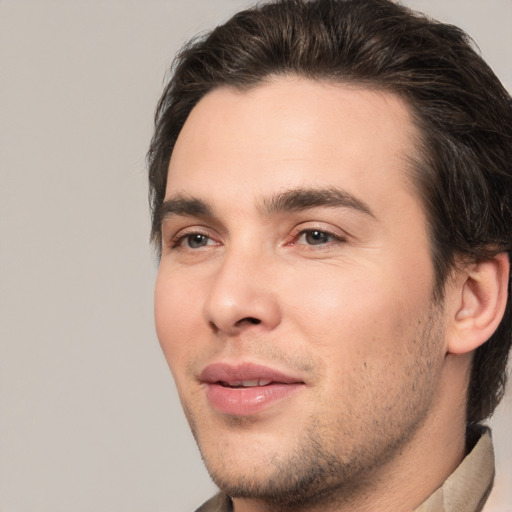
[332,237]
[178,240]
[181,238]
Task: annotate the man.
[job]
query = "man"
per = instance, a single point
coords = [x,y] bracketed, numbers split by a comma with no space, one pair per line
[331,185]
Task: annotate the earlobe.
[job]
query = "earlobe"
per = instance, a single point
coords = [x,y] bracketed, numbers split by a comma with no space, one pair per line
[482,297]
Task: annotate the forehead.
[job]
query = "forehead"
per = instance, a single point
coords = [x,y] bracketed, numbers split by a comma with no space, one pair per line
[291,132]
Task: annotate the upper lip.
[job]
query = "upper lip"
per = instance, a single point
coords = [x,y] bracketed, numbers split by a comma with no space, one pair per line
[235,373]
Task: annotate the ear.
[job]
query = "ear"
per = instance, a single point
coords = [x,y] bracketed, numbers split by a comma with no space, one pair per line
[480,300]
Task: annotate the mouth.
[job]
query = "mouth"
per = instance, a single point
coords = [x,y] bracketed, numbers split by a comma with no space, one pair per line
[246,389]
[247,383]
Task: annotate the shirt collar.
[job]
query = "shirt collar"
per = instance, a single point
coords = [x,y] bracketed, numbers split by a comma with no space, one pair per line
[469,486]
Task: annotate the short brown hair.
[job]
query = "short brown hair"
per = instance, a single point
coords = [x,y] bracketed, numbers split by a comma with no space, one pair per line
[464,174]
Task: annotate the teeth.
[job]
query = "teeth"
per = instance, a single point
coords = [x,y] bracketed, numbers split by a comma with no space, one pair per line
[254,383]
[247,383]
[250,383]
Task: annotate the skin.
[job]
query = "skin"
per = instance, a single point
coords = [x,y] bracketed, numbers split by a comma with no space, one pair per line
[348,311]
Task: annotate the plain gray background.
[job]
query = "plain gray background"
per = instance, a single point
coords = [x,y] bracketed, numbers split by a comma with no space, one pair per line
[89,419]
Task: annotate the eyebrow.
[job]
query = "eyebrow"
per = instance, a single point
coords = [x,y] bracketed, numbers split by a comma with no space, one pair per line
[184,206]
[294,200]
[299,199]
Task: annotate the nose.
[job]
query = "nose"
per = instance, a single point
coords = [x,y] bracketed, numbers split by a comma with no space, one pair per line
[241,296]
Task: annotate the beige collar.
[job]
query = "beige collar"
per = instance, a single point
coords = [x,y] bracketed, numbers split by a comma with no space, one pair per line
[467,488]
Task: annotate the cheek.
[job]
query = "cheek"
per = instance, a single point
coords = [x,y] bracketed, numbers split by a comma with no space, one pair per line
[355,315]
[176,318]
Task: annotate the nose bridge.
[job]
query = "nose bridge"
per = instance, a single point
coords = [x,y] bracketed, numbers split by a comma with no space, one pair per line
[241,294]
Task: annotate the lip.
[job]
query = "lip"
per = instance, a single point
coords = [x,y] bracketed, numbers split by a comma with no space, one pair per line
[224,391]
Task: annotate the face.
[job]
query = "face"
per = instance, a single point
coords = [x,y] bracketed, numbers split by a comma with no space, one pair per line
[294,295]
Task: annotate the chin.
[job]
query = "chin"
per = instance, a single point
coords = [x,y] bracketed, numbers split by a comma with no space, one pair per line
[284,471]
[284,483]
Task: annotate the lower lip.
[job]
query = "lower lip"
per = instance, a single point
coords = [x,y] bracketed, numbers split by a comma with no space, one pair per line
[247,401]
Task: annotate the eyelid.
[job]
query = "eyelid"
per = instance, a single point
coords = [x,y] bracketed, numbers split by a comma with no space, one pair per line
[337,234]
[175,241]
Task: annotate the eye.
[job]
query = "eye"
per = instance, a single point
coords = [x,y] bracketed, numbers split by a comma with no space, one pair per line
[315,237]
[192,240]
[196,240]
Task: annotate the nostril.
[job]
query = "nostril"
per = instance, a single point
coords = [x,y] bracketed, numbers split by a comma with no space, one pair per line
[250,320]
[213,327]
[246,320]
